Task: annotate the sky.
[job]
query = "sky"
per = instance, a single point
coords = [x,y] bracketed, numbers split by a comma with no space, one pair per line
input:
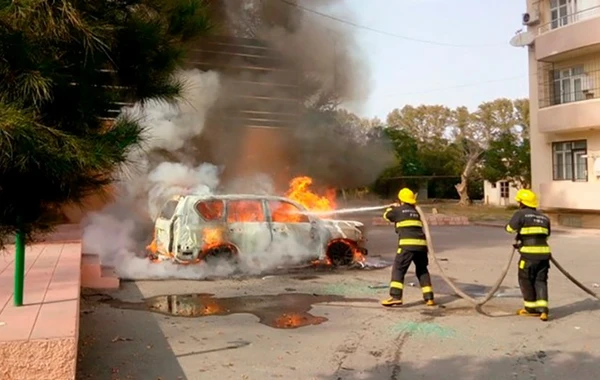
[408,72]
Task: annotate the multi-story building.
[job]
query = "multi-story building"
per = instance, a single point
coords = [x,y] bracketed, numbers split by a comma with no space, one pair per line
[563,38]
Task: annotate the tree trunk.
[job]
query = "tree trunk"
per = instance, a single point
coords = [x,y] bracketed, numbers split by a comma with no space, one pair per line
[463,190]
[463,187]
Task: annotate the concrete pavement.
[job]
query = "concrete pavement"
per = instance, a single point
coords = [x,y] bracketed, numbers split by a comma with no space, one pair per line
[358,339]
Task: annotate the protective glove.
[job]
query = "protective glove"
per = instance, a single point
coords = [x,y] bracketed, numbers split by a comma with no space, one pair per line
[517,245]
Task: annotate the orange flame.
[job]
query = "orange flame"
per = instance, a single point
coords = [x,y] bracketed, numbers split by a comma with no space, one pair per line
[300,192]
[358,256]
[324,262]
[212,308]
[245,211]
[212,236]
[153,247]
[294,320]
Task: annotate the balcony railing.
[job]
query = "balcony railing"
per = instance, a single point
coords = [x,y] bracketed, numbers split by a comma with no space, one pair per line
[561,83]
[569,19]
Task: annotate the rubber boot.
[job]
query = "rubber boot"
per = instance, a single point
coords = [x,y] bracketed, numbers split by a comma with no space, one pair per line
[544,317]
[525,313]
[392,301]
[430,302]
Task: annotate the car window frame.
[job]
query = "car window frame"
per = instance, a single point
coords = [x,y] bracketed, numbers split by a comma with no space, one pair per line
[299,208]
[223,217]
[259,200]
[173,211]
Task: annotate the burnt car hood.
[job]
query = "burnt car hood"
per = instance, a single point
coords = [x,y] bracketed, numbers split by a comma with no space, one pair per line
[345,229]
[342,222]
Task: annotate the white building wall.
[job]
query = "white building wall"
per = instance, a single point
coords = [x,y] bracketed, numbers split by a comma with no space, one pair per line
[492,195]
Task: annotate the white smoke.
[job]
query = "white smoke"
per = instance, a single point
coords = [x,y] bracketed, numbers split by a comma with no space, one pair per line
[169,179]
[120,232]
[169,126]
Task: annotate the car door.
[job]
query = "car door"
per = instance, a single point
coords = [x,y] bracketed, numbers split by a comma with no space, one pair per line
[163,228]
[294,233]
[248,226]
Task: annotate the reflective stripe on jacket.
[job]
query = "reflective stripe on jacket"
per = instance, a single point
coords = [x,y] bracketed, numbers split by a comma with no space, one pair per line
[409,227]
[532,229]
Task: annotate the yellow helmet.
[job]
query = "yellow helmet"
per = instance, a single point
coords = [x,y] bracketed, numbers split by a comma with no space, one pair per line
[527,197]
[407,196]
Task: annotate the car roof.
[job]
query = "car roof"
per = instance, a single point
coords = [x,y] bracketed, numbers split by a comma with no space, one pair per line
[195,198]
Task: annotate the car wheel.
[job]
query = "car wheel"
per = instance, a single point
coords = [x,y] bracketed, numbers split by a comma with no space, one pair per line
[220,253]
[340,253]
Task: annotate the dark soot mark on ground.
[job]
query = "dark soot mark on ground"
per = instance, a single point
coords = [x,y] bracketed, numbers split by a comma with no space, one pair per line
[282,311]
[306,277]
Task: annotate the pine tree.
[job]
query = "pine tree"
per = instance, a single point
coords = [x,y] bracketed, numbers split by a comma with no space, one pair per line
[64,65]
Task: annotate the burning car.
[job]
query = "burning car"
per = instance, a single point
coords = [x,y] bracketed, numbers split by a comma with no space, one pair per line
[195,228]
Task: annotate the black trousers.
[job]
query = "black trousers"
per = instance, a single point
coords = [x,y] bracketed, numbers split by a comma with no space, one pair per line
[402,263]
[533,281]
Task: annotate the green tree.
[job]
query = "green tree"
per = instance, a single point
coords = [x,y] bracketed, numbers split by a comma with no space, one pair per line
[473,134]
[406,151]
[490,143]
[63,64]
[522,113]
[508,154]
[406,160]
[425,127]
[522,116]
[427,124]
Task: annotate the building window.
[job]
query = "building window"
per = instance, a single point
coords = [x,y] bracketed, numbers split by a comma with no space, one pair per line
[569,85]
[561,12]
[569,160]
[504,189]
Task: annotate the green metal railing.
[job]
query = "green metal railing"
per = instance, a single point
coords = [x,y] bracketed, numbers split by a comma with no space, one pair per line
[19,268]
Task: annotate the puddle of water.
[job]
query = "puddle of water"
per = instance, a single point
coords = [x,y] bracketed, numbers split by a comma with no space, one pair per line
[282,311]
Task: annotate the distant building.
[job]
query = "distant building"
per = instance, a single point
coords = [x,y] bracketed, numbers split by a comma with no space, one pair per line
[563,38]
[501,193]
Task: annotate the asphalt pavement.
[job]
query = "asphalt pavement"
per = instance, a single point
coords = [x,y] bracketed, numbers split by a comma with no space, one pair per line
[328,324]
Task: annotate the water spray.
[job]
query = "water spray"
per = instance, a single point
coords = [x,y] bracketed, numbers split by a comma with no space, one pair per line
[347,210]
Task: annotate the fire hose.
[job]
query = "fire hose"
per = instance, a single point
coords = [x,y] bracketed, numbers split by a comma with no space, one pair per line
[479,303]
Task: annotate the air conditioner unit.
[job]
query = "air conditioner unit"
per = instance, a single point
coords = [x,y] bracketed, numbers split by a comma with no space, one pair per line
[531,18]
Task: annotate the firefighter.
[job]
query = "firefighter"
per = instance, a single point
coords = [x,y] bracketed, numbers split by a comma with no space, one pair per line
[532,229]
[412,248]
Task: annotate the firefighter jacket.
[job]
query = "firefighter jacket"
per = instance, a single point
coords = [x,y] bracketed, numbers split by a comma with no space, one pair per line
[409,227]
[533,229]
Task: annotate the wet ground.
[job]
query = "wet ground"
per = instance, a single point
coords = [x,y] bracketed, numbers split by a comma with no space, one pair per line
[282,311]
[327,324]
